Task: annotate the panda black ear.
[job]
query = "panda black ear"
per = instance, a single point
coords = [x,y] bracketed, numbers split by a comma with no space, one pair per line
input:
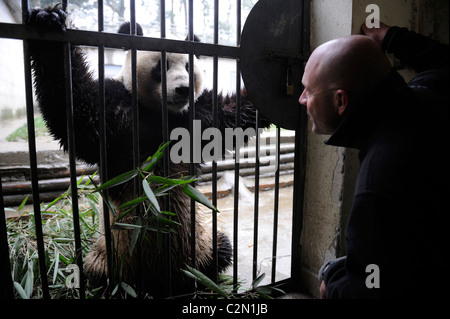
[196,39]
[125,28]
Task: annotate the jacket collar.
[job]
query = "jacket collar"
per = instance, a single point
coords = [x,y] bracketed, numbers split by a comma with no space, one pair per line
[369,110]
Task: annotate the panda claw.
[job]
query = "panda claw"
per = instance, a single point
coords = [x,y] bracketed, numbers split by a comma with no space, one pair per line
[50,18]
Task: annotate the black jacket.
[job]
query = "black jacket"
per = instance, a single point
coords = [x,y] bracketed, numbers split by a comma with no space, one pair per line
[402,196]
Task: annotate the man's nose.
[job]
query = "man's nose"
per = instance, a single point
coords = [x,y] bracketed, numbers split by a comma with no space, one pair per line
[303,100]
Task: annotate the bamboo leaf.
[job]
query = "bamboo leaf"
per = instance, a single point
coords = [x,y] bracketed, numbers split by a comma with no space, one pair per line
[134,239]
[163,190]
[257,281]
[56,201]
[151,196]
[64,259]
[168,213]
[133,202]
[22,205]
[20,290]
[155,158]
[126,226]
[115,290]
[122,178]
[198,196]
[204,280]
[125,213]
[263,293]
[128,289]
[168,181]
[29,280]
[56,265]
[168,221]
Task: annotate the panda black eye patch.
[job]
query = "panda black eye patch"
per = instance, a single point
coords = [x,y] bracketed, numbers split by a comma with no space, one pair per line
[156,72]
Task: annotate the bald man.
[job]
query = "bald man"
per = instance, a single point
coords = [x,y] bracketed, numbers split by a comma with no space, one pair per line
[396,239]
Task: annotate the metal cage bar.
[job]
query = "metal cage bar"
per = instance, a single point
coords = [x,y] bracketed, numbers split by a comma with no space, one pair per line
[165,135]
[237,166]
[256,202]
[192,168]
[276,206]
[103,143]
[72,164]
[119,41]
[33,162]
[215,255]
[300,164]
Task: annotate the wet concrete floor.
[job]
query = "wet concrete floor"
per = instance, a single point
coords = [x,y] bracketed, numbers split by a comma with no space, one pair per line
[266,219]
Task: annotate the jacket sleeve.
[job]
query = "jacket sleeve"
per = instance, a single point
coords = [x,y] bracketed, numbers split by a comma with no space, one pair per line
[346,280]
[429,58]
[415,50]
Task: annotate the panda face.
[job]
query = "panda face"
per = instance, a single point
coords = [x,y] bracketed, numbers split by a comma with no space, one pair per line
[149,79]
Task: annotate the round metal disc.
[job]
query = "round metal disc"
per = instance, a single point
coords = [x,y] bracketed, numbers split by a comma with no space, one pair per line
[270,57]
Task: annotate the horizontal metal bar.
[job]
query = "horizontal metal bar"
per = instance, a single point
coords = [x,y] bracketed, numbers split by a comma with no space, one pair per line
[119,41]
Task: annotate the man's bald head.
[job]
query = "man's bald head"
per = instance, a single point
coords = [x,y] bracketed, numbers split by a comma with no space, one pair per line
[353,63]
[336,70]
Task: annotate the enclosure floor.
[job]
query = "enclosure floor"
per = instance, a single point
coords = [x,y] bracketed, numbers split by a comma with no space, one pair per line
[265,227]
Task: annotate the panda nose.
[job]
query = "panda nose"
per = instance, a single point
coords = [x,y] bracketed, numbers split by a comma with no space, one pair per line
[182,90]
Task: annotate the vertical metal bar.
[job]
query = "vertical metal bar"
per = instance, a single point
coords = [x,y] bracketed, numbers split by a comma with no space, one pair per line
[103,151]
[236,168]
[134,88]
[300,164]
[33,162]
[72,164]
[165,114]
[6,282]
[33,171]
[298,198]
[256,202]
[135,130]
[215,256]
[276,206]
[165,135]
[192,168]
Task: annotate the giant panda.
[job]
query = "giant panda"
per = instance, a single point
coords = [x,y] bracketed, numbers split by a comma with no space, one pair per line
[47,59]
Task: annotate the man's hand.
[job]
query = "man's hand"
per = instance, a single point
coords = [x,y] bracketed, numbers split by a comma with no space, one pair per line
[323,291]
[375,33]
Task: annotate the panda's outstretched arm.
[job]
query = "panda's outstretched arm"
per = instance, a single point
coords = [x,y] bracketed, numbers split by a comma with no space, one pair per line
[227,109]
[48,65]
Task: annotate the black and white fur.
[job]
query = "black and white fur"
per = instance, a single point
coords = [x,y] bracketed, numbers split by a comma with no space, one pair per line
[47,64]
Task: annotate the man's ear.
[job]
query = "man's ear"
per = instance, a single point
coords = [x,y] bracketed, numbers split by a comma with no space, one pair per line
[340,101]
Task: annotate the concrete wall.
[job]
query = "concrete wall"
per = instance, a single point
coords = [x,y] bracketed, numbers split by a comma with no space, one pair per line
[324,172]
[331,171]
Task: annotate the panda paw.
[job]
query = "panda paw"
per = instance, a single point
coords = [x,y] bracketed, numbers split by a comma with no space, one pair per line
[51,19]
